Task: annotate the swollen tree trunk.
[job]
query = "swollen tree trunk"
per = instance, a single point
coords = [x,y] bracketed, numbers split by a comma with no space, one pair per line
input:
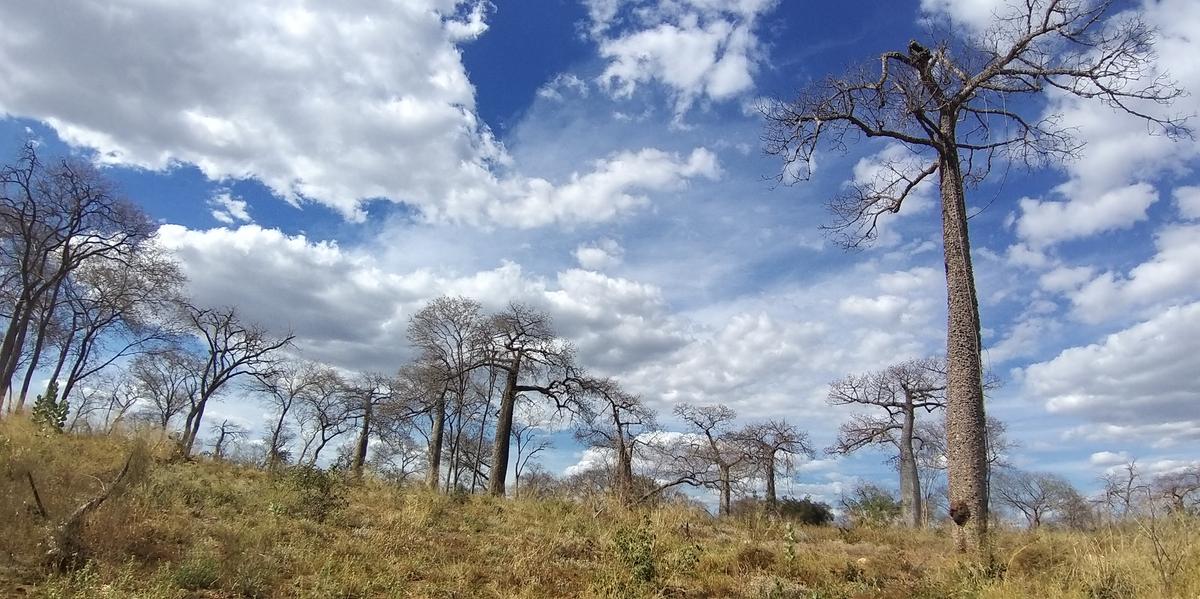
[364,437]
[910,483]
[436,437]
[624,482]
[504,423]
[965,422]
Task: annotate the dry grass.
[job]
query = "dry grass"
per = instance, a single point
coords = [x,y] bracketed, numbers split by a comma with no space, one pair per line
[202,529]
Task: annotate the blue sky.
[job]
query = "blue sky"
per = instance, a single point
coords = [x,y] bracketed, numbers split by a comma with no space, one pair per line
[329,168]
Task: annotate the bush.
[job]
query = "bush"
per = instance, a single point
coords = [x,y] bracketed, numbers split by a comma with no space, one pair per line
[871,506]
[314,493]
[805,511]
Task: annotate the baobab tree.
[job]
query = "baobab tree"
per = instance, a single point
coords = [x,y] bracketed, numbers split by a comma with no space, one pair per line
[901,392]
[617,422]
[534,360]
[721,453]
[957,110]
[773,445]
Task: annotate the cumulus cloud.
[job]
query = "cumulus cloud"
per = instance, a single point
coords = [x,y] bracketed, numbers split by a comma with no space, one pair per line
[1048,222]
[338,103]
[1138,382]
[696,48]
[349,309]
[602,254]
[1187,201]
[1171,275]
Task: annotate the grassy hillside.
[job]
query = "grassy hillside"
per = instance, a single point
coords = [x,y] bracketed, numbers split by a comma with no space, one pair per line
[204,529]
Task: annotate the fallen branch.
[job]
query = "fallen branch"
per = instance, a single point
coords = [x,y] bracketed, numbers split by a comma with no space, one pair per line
[66,544]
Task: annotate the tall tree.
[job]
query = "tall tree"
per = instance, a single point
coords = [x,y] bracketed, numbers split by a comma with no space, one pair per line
[957,108]
[54,218]
[901,392]
[231,349]
[534,360]
[449,335]
[367,392]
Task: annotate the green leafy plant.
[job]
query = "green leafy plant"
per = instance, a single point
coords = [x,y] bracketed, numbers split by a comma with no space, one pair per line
[49,412]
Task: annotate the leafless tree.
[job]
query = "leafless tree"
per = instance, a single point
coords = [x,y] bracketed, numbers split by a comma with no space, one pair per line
[116,308]
[902,391]
[449,335]
[281,389]
[232,349]
[523,346]
[773,447]
[724,453]
[956,108]
[366,393]
[55,217]
[169,380]
[227,432]
[1123,487]
[616,423]
[325,412]
[1180,489]
[1036,495]
[525,435]
[930,440]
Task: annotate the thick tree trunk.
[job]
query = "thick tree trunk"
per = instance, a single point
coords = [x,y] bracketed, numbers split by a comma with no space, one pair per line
[726,492]
[364,437]
[504,423]
[910,483]
[624,482]
[191,428]
[436,439]
[965,422]
[772,499]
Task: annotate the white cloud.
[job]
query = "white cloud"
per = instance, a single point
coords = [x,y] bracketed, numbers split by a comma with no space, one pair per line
[1047,222]
[338,103]
[1172,274]
[1139,381]
[1187,201]
[697,48]
[600,255]
[1109,458]
[1065,278]
[976,15]
[228,209]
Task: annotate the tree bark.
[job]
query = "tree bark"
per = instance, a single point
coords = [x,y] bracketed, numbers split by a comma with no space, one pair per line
[504,423]
[910,483]
[772,499]
[965,421]
[726,492]
[436,438]
[364,437]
